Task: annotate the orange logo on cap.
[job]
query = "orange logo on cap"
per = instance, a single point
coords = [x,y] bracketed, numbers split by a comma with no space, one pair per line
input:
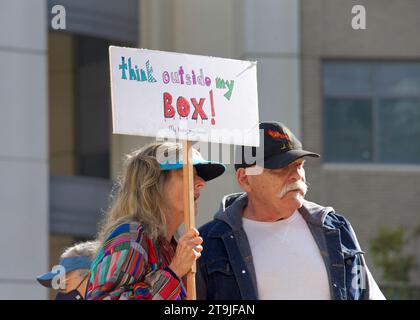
[277,135]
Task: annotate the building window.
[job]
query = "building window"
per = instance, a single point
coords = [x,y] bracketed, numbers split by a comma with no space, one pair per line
[371,112]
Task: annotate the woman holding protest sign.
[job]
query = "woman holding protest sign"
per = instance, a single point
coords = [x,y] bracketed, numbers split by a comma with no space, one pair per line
[139,257]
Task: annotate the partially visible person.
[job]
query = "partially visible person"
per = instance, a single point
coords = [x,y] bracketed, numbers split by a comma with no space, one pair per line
[75,262]
[270,243]
[139,257]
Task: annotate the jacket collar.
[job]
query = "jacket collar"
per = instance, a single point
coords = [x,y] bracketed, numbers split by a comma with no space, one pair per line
[232,206]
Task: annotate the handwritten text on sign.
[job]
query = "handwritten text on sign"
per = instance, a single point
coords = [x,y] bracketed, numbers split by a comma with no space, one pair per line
[162,94]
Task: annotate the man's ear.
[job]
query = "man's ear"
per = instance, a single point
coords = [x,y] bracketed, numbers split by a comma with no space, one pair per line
[242,178]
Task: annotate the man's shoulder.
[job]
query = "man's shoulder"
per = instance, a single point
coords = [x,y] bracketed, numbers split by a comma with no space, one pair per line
[334,220]
[326,214]
[338,218]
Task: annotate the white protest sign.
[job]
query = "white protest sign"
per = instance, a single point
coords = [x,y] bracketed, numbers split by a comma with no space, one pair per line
[183,96]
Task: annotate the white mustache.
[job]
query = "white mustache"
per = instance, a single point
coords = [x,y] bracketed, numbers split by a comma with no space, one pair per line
[297,185]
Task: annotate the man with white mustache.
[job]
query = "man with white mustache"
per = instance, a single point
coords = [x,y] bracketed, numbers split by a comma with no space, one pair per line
[270,243]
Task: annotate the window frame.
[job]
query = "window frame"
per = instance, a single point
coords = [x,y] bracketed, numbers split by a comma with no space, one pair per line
[375,98]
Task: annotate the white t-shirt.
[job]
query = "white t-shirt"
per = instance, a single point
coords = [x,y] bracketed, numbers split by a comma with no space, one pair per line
[287,260]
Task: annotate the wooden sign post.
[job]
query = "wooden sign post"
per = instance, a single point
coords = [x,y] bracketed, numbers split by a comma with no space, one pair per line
[189,214]
[184,97]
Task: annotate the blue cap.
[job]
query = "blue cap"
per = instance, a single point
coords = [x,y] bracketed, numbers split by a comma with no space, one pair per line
[207,170]
[69,264]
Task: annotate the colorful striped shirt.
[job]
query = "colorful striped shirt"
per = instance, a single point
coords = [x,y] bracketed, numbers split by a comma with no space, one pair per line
[129,265]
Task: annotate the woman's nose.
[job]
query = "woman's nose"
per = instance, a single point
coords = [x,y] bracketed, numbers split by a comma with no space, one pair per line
[199,182]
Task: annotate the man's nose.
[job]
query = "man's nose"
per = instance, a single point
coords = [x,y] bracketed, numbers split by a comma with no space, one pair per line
[297,173]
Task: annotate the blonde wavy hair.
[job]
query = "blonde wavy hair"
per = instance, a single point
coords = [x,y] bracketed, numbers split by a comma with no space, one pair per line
[139,196]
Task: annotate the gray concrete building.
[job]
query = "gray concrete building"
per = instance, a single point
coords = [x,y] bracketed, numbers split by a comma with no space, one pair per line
[361,111]
[23,147]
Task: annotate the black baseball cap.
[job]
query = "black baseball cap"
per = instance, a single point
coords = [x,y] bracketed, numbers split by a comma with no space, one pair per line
[278,148]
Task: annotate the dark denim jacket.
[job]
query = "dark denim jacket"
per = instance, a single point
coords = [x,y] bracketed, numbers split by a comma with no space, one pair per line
[226,270]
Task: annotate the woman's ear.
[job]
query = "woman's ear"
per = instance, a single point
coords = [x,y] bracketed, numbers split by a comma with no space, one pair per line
[243,180]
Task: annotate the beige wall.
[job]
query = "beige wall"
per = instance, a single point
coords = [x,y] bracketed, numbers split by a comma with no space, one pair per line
[193,26]
[61,124]
[391,29]
[369,195]
[61,103]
